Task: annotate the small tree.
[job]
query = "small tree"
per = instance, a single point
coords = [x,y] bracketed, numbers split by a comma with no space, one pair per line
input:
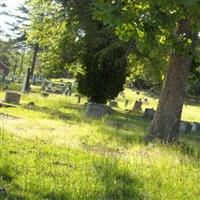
[105,73]
[102,55]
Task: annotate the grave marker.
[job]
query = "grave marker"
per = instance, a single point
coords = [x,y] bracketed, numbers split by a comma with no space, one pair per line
[137,106]
[12,97]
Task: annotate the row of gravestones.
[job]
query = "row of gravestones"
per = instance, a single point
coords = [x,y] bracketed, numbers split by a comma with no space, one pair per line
[137,106]
[99,110]
[65,89]
[13,97]
[185,127]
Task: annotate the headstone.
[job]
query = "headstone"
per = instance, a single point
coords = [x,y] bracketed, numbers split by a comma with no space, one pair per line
[137,106]
[26,84]
[49,87]
[79,99]
[185,127]
[126,103]
[113,103]
[96,110]
[149,113]
[146,101]
[68,89]
[44,84]
[195,126]
[12,97]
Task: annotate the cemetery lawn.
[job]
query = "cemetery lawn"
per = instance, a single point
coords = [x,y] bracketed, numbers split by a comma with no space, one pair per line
[52,152]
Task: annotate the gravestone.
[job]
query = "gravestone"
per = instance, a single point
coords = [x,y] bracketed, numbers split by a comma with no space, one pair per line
[96,110]
[146,101]
[137,106]
[26,83]
[126,103]
[44,84]
[79,99]
[68,90]
[113,103]
[149,113]
[12,97]
[195,126]
[185,127]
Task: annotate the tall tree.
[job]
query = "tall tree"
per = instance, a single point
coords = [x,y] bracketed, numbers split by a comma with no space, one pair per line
[151,24]
[103,56]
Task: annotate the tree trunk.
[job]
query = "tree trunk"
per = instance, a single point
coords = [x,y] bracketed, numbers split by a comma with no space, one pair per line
[36,49]
[165,125]
[22,62]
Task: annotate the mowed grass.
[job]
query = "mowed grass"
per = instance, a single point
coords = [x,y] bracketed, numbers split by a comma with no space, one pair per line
[53,152]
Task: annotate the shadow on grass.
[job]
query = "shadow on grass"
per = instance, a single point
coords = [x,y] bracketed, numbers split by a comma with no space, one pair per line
[7,177]
[58,114]
[57,195]
[12,197]
[190,145]
[127,127]
[113,181]
[6,173]
[118,181]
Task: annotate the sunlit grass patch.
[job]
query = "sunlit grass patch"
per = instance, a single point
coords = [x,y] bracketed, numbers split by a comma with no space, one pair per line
[52,151]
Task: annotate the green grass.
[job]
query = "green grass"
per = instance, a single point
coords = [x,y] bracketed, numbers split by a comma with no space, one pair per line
[52,152]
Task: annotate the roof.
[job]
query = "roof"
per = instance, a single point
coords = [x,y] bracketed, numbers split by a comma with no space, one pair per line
[5,68]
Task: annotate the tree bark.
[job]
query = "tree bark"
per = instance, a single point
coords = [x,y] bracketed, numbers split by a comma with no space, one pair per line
[36,49]
[22,62]
[165,124]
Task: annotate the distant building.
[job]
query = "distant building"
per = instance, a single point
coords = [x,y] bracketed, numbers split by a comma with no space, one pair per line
[4,69]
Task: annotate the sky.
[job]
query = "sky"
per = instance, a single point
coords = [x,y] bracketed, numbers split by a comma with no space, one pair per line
[11,7]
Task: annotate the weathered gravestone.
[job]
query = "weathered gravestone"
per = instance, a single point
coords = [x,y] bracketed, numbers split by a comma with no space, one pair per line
[146,101]
[44,85]
[49,87]
[113,103]
[79,99]
[126,103]
[149,113]
[195,126]
[185,127]
[96,110]
[137,106]
[12,97]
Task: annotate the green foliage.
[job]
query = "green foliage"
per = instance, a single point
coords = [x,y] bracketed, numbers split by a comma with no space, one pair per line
[101,54]
[150,26]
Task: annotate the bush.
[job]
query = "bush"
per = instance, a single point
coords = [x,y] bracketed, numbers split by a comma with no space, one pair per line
[105,73]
